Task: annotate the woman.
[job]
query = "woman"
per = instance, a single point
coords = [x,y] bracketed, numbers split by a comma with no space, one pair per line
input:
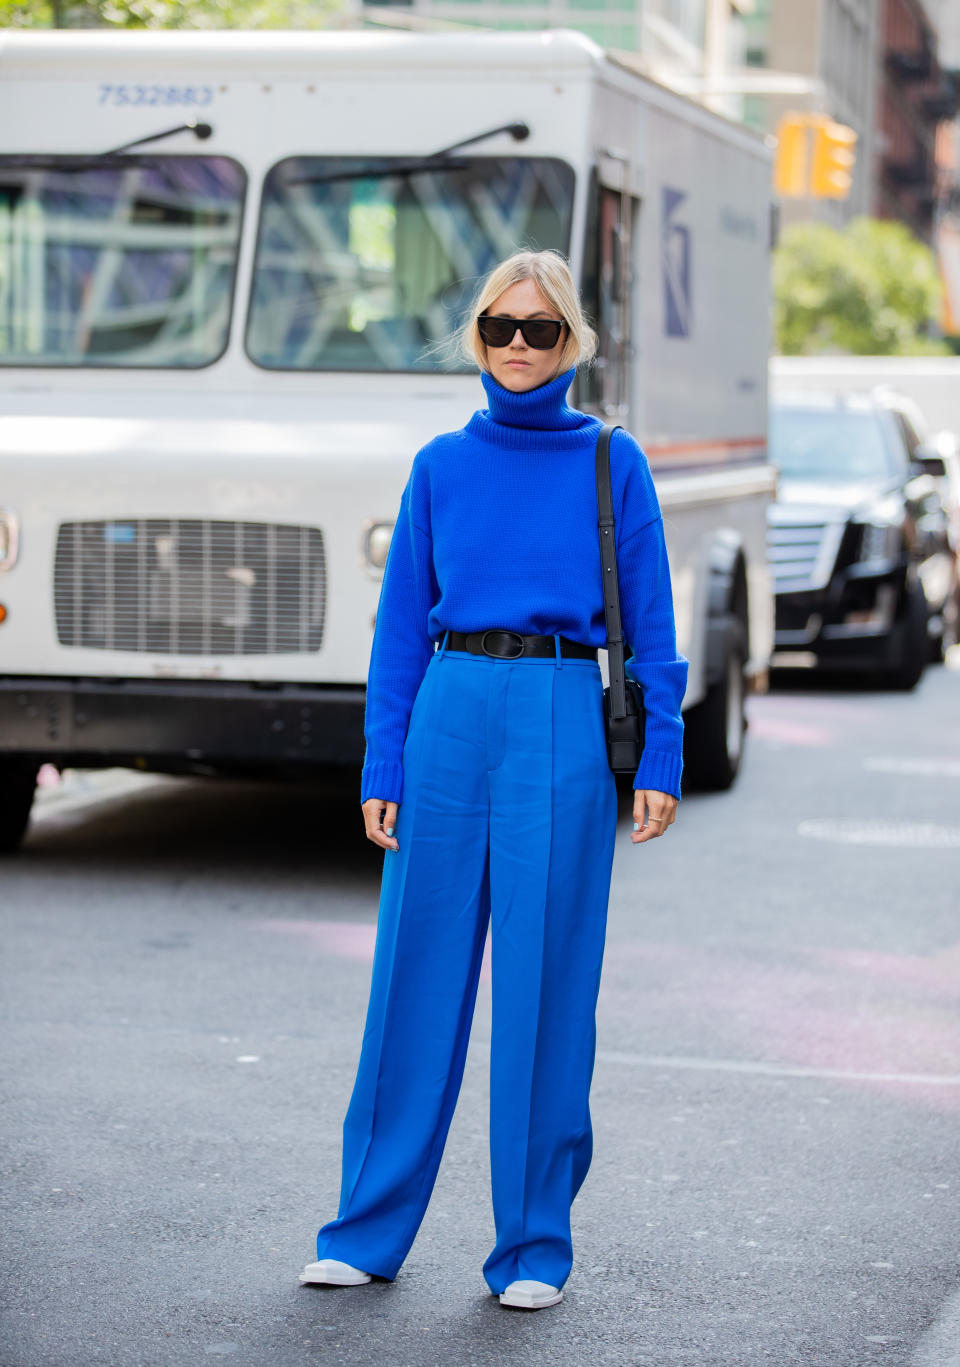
[487,783]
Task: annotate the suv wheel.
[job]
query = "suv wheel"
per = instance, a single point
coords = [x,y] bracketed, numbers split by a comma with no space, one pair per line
[913,649]
[949,633]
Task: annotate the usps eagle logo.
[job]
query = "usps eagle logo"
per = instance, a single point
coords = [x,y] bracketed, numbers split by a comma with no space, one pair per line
[675,253]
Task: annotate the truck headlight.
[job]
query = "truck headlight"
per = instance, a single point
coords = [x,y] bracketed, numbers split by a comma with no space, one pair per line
[376,543]
[9,538]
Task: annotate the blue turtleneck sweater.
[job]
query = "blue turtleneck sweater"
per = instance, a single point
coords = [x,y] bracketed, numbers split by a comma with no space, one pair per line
[498,527]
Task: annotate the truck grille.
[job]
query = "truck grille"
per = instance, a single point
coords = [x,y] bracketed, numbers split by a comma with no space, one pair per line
[190,587]
[802,555]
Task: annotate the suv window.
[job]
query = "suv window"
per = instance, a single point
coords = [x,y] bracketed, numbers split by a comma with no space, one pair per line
[831,445]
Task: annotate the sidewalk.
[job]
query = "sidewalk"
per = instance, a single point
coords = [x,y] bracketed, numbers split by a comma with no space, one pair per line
[78,787]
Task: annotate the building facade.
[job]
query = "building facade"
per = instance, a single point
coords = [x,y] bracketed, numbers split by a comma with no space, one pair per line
[915,96]
[872,65]
[947,154]
[833,43]
[669,40]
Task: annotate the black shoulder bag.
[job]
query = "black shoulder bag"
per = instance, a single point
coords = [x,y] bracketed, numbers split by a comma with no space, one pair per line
[622,698]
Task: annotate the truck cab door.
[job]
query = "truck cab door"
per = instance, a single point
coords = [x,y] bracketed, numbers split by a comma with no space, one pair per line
[608,280]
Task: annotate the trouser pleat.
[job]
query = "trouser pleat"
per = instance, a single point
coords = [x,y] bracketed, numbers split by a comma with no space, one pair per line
[433,915]
[553,825]
[509,814]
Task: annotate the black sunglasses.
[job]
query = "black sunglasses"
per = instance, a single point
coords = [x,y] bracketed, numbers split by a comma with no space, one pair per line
[539,333]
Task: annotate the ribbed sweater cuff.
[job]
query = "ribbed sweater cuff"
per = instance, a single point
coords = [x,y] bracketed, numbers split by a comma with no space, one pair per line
[382,778]
[659,771]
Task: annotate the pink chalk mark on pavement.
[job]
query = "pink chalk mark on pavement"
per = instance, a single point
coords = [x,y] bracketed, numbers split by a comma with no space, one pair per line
[843,711]
[353,940]
[938,974]
[837,1010]
[813,720]
[790,732]
[341,939]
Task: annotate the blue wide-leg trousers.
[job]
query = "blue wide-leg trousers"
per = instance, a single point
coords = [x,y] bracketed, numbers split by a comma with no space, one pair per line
[508,818]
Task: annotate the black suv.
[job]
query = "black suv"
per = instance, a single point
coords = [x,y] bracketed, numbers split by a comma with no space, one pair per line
[863,566]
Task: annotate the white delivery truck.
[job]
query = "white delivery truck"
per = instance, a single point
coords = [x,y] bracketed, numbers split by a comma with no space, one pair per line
[228,264]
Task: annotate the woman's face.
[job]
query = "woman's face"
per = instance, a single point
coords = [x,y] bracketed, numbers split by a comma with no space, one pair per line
[517,366]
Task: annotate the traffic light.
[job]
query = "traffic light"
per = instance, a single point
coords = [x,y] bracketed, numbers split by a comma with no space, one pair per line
[828,173]
[790,166]
[831,173]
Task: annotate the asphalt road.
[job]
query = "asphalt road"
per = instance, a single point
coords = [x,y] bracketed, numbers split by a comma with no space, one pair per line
[776,1102]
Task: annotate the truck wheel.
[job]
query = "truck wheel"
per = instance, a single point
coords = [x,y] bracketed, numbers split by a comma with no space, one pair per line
[715,730]
[914,644]
[18,781]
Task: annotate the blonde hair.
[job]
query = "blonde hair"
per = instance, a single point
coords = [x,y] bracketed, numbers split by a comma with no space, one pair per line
[550,272]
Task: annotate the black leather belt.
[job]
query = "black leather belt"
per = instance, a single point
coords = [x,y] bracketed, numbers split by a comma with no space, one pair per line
[509,645]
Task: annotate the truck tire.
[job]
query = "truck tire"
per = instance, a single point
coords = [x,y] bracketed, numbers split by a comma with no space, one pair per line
[913,643]
[715,730]
[18,782]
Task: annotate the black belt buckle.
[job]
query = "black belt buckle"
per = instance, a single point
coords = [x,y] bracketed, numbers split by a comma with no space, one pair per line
[499,654]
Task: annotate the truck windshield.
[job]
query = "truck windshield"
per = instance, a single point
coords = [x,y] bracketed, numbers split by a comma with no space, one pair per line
[830,445]
[372,264]
[125,263]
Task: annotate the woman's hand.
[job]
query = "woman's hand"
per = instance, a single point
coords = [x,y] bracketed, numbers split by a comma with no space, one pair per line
[663,813]
[380,831]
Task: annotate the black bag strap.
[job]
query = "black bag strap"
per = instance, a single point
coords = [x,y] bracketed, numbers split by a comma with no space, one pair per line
[611,585]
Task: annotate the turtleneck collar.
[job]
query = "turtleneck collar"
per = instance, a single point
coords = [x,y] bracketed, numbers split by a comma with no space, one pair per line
[538,419]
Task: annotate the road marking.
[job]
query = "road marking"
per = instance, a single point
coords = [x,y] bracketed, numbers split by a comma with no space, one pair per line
[731,1065]
[925,768]
[899,834]
[940,1345]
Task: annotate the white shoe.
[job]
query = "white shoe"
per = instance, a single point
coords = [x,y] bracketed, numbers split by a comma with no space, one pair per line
[531,1295]
[328,1272]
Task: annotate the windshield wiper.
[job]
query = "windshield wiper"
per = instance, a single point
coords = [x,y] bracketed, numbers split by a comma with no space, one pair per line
[518,131]
[200,129]
[367,169]
[434,161]
[72,163]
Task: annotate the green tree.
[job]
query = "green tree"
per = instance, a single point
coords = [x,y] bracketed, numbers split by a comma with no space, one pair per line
[165,14]
[871,289]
